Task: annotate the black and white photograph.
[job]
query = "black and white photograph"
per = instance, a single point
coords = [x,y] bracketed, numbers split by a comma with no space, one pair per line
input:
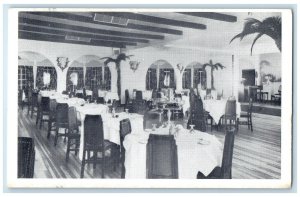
[128,97]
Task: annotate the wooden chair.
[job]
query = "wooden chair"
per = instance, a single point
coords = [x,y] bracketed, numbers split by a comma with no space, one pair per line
[100,100]
[52,116]
[26,157]
[229,118]
[73,132]
[223,172]
[62,121]
[79,95]
[162,162]
[246,117]
[44,110]
[125,129]
[94,143]
[34,103]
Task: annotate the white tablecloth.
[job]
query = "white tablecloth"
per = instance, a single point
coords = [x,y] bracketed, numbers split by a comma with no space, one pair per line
[108,95]
[192,156]
[216,108]
[71,101]
[185,103]
[147,95]
[111,126]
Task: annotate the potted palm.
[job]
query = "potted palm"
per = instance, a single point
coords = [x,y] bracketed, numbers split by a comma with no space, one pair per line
[270,26]
[213,67]
[117,61]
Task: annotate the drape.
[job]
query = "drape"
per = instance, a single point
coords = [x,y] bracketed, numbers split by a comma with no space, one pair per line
[151,79]
[186,79]
[197,77]
[162,75]
[93,78]
[107,79]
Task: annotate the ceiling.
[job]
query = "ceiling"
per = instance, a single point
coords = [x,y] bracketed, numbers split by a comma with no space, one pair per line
[135,29]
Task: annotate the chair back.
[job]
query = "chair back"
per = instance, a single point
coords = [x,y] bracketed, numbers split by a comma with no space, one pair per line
[52,104]
[230,109]
[72,119]
[62,114]
[79,95]
[139,95]
[100,100]
[227,154]
[162,159]
[93,132]
[139,106]
[26,157]
[126,96]
[65,92]
[125,128]
[154,94]
[45,104]
[34,99]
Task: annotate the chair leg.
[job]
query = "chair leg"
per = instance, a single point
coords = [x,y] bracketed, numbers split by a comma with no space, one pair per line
[103,164]
[82,165]
[251,124]
[65,139]
[56,135]
[41,120]
[77,146]
[37,118]
[95,159]
[49,128]
[68,149]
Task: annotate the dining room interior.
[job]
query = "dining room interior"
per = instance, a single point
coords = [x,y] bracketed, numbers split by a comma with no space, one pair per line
[149,94]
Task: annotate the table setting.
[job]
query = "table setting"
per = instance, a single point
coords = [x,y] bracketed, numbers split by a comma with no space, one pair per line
[197,151]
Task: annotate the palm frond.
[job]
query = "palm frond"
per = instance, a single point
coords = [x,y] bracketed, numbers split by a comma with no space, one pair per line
[123,57]
[254,41]
[219,65]
[251,26]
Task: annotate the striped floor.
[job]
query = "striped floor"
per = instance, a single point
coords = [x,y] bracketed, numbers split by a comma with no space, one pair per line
[256,155]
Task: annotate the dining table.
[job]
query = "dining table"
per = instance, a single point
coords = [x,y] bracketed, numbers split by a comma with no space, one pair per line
[196,151]
[111,122]
[107,95]
[216,108]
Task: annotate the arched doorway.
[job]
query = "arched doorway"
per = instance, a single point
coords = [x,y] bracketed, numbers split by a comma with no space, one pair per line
[160,74]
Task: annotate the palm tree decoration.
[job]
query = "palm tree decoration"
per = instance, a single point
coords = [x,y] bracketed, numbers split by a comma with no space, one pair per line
[270,26]
[213,67]
[117,61]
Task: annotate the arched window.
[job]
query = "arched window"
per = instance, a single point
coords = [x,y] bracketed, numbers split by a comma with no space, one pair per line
[41,70]
[160,75]
[194,74]
[79,72]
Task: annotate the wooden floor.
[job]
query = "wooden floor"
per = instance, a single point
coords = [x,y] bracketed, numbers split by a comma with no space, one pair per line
[256,155]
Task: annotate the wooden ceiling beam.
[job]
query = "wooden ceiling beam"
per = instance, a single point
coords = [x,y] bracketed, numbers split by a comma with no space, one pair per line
[61,39]
[86,35]
[155,19]
[24,20]
[86,19]
[212,15]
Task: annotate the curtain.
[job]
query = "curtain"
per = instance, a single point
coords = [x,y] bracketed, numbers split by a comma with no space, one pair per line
[162,75]
[151,79]
[107,79]
[93,78]
[79,71]
[39,77]
[186,79]
[199,76]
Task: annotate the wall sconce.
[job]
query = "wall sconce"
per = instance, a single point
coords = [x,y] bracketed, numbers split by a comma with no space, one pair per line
[62,62]
[134,65]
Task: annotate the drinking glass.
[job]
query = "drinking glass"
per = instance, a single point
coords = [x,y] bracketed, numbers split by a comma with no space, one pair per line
[153,127]
[192,127]
[126,110]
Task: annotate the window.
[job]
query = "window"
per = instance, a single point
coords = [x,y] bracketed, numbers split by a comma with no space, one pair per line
[39,77]
[25,77]
[151,79]
[187,79]
[199,77]
[79,71]
[93,77]
[163,73]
